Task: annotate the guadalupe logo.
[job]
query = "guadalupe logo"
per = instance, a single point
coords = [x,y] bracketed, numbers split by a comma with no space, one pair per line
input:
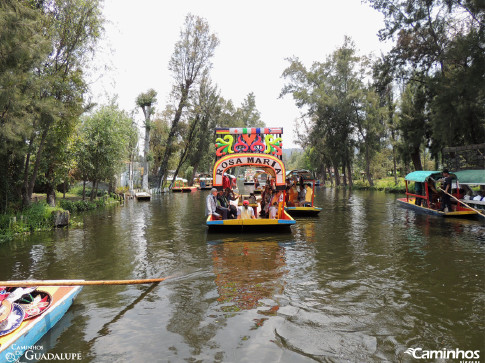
[464,355]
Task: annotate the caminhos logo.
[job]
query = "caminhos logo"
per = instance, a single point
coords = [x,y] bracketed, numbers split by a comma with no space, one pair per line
[465,356]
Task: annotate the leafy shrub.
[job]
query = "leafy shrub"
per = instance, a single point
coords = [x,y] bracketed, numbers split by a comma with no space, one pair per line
[80,205]
[122,190]
[385,184]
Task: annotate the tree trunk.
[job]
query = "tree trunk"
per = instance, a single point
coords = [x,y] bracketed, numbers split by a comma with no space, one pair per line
[96,193]
[130,176]
[394,170]
[38,157]
[349,171]
[175,175]
[146,148]
[162,173]
[324,174]
[51,187]
[91,196]
[25,186]
[344,175]
[330,176]
[337,175]
[196,166]
[367,166]
[415,157]
[84,189]
[51,195]
[394,162]
[184,152]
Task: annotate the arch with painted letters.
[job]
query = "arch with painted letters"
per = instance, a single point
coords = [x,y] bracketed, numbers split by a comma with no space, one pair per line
[261,160]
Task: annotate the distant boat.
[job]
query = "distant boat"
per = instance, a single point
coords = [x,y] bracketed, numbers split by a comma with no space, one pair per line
[308,209]
[180,186]
[203,182]
[143,196]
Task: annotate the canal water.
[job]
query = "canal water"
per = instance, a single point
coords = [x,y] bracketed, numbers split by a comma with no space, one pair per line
[363,282]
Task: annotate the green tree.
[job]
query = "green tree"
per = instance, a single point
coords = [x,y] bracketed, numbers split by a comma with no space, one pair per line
[440,44]
[248,115]
[104,144]
[22,49]
[383,83]
[190,61]
[413,123]
[331,94]
[208,107]
[72,27]
[145,101]
[370,128]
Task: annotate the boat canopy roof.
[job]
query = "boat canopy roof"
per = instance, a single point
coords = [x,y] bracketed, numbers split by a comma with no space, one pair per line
[473,177]
[423,175]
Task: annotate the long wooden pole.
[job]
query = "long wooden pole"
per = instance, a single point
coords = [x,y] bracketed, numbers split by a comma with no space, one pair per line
[79,282]
[459,201]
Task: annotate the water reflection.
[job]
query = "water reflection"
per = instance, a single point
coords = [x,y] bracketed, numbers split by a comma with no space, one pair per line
[362,282]
[246,272]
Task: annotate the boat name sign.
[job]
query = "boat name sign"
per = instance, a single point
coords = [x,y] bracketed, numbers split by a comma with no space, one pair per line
[239,160]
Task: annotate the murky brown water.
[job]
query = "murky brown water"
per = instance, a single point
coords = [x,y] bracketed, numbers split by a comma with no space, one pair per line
[362,282]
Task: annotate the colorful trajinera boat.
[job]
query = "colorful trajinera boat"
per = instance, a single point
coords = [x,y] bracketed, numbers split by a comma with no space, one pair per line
[260,148]
[181,186]
[31,316]
[295,207]
[427,199]
[203,182]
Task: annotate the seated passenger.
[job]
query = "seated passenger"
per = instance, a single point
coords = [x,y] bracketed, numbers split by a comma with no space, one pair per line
[292,196]
[301,196]
[223,206]
[252,198]
[211,205]
[245,212]
[479,197]
[308,196]
[273,210]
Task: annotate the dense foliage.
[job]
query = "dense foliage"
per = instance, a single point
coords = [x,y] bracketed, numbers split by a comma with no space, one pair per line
[362,118]
[382,115]
[44,46]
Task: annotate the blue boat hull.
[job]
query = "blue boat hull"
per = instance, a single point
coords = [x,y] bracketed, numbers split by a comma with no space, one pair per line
[28,336]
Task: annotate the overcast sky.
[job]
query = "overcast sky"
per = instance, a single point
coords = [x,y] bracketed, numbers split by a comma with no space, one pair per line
[255,38]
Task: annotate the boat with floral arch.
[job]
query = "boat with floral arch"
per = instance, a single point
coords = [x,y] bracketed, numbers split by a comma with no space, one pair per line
[260,148]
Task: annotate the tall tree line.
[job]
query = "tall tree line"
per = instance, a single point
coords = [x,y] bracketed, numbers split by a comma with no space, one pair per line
[183,132]
[44,46]
[427,93]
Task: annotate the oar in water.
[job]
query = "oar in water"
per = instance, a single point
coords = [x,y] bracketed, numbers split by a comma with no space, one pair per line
[79,282]
[459,201]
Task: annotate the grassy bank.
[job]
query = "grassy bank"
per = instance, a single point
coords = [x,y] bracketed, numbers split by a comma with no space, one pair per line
[385,185]
[38,216]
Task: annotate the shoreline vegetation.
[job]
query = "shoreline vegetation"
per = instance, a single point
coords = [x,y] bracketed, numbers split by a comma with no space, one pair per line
[38,216]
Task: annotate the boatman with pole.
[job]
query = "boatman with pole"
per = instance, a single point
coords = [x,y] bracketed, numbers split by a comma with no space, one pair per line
[447,191]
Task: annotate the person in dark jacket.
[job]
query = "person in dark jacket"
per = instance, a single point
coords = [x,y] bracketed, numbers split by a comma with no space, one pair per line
[446,190]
